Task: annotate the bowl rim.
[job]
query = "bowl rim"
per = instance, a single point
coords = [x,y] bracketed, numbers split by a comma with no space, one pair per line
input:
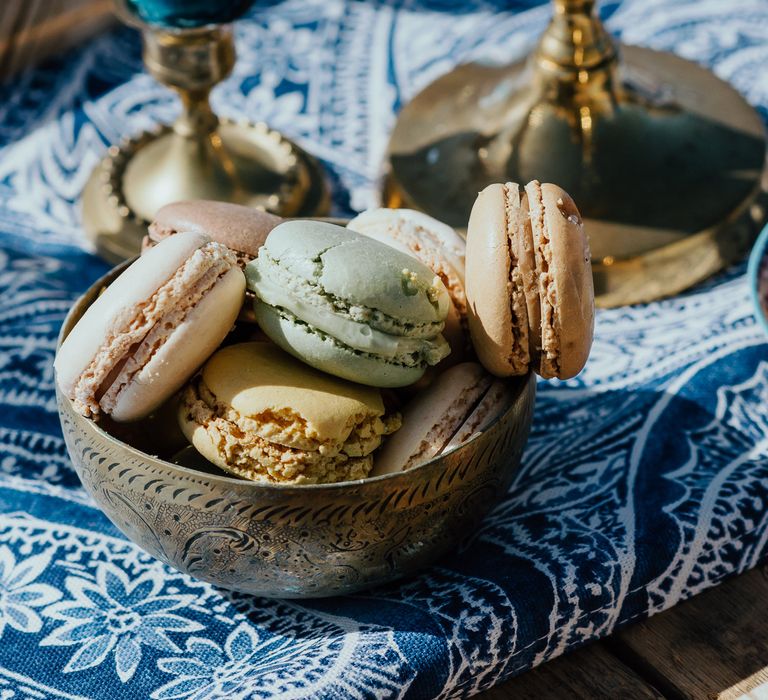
[756,260]
[520,385]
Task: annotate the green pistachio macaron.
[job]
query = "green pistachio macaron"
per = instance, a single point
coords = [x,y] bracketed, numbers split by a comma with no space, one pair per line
[349,305]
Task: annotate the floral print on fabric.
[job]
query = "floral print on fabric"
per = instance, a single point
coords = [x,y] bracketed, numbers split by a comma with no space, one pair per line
[21,596]
[112,615]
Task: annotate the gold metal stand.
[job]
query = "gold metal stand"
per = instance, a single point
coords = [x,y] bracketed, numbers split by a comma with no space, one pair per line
[198,157]
[664,159]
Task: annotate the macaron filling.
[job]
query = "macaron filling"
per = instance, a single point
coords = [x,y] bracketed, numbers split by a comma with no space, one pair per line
[358,328]
[526,262]
[550,350]
[135,339]
[519,356]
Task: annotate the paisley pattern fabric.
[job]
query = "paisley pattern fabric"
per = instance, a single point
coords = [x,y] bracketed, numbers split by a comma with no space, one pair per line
[644,482]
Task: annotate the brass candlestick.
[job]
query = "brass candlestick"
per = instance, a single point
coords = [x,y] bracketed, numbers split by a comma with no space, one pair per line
[199,156]
[664,159]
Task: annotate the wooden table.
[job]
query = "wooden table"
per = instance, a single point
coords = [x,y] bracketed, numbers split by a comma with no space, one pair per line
[712,647]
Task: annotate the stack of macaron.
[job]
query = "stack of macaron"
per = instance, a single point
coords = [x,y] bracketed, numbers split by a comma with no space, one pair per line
[369,349]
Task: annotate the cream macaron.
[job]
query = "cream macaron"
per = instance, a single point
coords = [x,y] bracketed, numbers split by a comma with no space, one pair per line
[151,328]
[529,281]
[434,243]
[462,402]
[242,229]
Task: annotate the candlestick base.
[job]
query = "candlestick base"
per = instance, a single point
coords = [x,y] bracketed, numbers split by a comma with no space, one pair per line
[245,163]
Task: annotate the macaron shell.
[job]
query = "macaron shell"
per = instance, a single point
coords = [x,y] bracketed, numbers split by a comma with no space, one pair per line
[115,307]
[404,225]
[258,379]
[322,352]
[210,450]
[570,290]
[490,407]
[456,336]
[186,348]
[200,439]
[243,229]
[360,271]
[496,305]
[432,418]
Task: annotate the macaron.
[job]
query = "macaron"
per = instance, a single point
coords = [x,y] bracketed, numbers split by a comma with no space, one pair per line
[529,281]
[150,330]
[462,402]
[432,242]
[242,229]
[258,413]
[349,305]
[435,244]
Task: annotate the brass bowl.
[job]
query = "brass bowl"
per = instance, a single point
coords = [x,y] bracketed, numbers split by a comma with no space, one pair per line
[294,541]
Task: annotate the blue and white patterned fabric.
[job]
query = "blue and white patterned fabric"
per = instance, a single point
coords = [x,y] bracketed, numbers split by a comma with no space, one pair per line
[645,480]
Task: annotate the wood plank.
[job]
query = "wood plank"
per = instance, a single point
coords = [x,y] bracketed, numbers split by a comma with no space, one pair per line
[714,646]
[590,673]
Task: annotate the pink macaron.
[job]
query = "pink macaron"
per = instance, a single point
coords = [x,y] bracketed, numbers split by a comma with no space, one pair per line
[240,228]
[151,328]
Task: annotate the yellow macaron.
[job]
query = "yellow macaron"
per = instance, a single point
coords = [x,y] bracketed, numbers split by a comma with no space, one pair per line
[257,412]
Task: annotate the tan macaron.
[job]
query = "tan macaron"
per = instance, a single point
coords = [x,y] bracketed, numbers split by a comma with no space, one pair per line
[432,242]
[529,281]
